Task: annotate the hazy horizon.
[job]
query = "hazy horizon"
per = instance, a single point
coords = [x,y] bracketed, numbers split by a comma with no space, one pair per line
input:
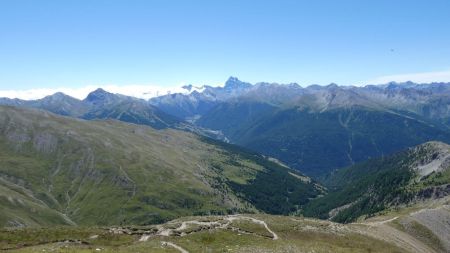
[144,91]
[159,46]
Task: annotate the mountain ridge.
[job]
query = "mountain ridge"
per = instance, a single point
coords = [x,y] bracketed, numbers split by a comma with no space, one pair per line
[262,116]
[413,175]
[101,104]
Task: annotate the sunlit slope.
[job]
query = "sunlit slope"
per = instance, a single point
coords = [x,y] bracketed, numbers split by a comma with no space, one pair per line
[420,228]
[110,172]
[412,176]
[243,233]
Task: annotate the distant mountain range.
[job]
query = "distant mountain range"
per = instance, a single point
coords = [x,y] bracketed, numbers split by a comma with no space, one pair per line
[314,129]
[318,129]
[101,104]
[428,100]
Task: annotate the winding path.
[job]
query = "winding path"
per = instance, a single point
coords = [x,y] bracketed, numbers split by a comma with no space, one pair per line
[173,245]
[211,224]
[261,222]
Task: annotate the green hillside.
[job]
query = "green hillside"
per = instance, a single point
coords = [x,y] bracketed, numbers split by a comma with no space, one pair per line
[417,174]
[317,142]
[62,170]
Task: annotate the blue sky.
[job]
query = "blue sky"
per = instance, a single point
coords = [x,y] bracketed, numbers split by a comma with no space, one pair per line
[73,44]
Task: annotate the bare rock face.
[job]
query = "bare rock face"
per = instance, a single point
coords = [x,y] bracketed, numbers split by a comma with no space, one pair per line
[435,192]
[45,142]
[435,158]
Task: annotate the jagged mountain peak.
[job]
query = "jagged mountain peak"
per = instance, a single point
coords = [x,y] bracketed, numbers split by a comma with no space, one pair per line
[99,95]
[233,79]
[235,83]
[98,92]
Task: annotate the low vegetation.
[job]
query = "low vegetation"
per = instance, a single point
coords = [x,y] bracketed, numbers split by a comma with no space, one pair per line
[295,235]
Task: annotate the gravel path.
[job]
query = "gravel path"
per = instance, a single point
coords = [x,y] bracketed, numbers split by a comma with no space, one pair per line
[211,225]
[173,245]
[261,222]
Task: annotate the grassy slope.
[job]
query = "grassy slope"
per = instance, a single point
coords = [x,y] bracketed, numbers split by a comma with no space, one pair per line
[418,228]
[295,235]
[17,208]
[109,172]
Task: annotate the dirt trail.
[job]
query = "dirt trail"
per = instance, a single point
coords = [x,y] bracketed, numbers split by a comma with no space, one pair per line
[173,245]
[383,231]
[261,222]
[144,238]
[220,224]
[377,223]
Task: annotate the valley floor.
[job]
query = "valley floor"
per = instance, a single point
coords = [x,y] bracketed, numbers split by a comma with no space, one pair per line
[415,229]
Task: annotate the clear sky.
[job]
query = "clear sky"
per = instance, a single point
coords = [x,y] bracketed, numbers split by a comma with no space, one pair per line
[76,43]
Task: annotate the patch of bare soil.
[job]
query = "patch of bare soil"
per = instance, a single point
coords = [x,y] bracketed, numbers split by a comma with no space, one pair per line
[436,220]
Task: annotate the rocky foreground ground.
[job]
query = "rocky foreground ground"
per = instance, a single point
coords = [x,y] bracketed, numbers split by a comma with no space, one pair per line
[421,228]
